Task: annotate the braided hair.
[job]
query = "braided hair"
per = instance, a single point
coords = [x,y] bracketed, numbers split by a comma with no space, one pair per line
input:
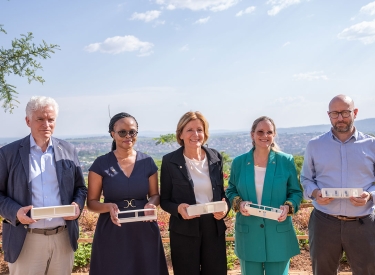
[114,119]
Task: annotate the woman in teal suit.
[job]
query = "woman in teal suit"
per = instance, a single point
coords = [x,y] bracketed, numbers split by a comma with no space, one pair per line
[268,177]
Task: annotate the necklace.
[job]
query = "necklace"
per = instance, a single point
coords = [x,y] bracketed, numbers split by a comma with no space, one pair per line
[260,162]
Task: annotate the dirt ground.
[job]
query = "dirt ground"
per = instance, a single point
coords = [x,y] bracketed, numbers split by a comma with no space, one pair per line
[300,262]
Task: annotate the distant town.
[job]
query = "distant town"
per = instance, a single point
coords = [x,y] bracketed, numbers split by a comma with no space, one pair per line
[290,140]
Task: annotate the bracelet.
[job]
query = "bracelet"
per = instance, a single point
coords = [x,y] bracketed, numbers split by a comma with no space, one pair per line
[291,208]
[236,204]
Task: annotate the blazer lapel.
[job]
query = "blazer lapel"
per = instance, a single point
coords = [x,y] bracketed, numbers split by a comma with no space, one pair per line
[58,157]
[213,161]
[179,160]
[250,177]
[268,179]
[24,152]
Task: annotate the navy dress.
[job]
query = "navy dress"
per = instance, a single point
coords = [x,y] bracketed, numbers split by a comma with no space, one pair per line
[133,248]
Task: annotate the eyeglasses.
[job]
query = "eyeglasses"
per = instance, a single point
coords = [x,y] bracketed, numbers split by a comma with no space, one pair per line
[124,133]
[344,114]
[263,133]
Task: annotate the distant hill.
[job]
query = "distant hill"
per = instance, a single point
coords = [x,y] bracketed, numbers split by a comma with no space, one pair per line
[363,125]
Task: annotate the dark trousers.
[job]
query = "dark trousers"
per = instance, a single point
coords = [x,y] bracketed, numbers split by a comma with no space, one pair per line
[329,237]
[203,255]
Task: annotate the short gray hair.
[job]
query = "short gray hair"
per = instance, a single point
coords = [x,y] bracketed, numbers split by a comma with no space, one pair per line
[39,102]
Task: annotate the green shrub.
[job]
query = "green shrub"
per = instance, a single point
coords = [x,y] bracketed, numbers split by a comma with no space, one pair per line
[82,255]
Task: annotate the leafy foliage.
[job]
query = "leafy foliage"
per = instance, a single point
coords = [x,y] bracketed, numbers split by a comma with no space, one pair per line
[82,255]
[165,139]
[298,160]
[20,60]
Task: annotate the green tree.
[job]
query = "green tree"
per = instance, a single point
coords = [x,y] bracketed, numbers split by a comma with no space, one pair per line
[165,139]
[227,162]
[298,160]
[21,60]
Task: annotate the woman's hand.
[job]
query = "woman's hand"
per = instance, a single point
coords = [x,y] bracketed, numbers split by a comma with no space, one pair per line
[113,212]
[183,212]
[243,210]
[149,213]
[220,215]
[284,214]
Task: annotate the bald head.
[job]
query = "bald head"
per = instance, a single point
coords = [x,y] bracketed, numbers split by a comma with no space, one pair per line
[341,99]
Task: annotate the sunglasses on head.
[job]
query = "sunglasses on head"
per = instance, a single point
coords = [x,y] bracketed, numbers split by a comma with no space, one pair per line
[124,133]
[263,133]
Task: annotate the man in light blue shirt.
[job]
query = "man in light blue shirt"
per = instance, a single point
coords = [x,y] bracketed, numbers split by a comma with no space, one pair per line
[38,171]
[341,158]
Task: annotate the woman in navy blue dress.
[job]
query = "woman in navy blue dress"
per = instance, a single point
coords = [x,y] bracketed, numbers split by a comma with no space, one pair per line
[129,181]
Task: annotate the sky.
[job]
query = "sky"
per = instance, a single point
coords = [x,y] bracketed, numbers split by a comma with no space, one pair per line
[232,60]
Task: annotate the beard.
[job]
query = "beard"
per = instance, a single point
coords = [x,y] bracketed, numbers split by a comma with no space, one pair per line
[344,127]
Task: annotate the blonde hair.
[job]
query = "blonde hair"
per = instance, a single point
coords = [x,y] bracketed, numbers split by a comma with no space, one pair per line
[185,119]
[274,146]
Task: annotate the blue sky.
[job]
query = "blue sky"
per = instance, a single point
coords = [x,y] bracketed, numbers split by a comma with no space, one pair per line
[232,60]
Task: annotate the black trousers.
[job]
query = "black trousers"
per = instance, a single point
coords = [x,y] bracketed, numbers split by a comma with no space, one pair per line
[329,237]
[203,255]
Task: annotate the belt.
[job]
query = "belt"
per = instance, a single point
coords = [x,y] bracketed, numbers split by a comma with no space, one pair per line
[47,232]
[346,218]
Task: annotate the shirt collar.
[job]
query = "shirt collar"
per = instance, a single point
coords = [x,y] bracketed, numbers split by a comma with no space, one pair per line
[33,143]
[354,135]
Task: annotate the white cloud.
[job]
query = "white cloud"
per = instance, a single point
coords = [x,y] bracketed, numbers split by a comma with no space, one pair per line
[369,8]
[119,44]
[279,5]
[286,44]
[364,32]
[248,10]
[311,76]
[184,48]
[195,5]
[158,23]
[202,20]
[147,16]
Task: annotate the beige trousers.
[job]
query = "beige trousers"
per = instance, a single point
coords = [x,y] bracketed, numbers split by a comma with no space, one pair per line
[44,255]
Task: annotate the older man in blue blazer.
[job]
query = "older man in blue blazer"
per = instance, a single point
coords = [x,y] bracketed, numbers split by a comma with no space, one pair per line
[40,171]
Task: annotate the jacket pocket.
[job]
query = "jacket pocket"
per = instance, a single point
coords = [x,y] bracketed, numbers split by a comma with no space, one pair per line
[242,228]
[283,227]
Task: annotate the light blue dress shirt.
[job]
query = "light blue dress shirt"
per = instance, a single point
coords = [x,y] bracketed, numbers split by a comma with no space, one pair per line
[330,163]
[44,184]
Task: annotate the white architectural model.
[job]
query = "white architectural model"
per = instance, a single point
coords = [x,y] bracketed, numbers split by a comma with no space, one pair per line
[206,208]
[38,213]
[137,218]
[341,193]
[263,211]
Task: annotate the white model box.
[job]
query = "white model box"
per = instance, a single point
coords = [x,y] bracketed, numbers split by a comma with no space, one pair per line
[138,218]
[341,193]
[206,208]
[263,211]
[38,213]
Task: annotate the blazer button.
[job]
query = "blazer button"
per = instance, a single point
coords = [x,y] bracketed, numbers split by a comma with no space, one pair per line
[213,188]
[25,226]
[262,225]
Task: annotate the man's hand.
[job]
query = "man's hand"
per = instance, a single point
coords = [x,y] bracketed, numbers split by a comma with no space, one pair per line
[362,200]
[70,218]
[317,194]
[22,217]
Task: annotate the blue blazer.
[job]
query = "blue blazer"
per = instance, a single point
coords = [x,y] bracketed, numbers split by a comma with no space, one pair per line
[16,191]
[258,239]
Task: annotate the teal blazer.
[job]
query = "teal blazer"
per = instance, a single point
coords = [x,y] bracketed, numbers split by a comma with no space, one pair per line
[258,239]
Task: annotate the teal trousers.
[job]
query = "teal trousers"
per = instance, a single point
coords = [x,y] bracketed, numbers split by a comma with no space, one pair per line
[267,268]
